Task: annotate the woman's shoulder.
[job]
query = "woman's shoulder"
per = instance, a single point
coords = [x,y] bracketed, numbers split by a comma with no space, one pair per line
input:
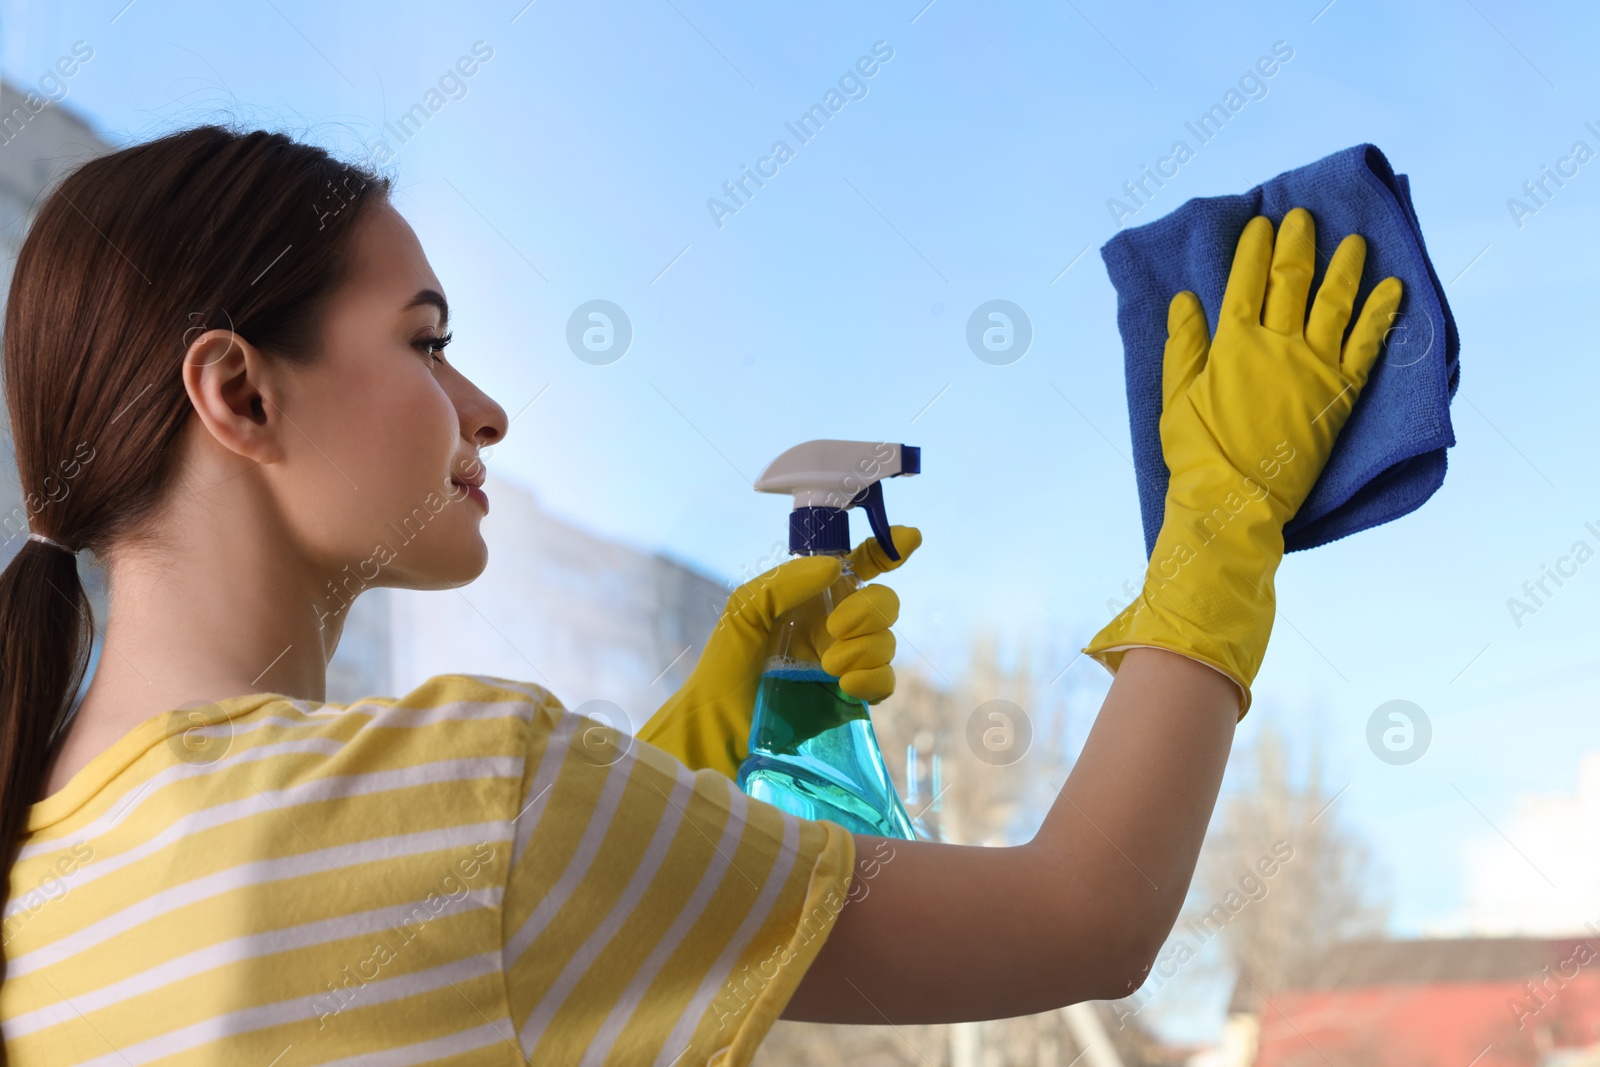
[470,695]
[465,720]
[447,711]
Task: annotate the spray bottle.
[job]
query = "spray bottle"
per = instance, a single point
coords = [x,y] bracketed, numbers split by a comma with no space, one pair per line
[813,752]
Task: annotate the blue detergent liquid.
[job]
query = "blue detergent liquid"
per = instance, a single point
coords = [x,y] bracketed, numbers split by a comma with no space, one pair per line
[813,754]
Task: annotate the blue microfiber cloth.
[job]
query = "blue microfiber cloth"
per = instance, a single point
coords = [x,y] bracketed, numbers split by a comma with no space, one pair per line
[1391,455]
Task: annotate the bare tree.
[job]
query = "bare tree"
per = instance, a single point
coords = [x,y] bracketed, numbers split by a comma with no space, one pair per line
[1283,879]
[1000,735]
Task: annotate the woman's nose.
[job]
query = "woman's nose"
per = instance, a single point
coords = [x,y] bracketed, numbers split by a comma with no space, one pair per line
[482,420]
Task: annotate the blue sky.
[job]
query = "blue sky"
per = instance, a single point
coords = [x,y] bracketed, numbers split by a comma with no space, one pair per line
[577,165]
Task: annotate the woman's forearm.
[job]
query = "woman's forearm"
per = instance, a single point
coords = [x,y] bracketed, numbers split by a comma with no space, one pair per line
[945,933]
[1135,808]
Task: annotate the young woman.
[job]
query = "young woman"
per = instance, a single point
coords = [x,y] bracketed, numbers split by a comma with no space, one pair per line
[224,371]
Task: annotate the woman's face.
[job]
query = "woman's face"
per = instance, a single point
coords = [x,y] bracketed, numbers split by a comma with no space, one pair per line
[389,430]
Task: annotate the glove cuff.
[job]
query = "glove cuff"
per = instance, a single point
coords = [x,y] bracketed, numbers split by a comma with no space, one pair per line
[1208,593]
[1110,657]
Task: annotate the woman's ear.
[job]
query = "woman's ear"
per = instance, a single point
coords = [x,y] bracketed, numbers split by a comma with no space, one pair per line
[226,378]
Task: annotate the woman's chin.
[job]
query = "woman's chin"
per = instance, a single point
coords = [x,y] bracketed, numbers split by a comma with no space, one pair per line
[468,567]
[447,567]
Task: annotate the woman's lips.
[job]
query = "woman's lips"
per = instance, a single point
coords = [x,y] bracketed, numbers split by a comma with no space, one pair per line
[474,493]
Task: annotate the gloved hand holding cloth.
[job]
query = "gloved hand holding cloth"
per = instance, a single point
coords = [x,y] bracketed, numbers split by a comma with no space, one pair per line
[1247,424]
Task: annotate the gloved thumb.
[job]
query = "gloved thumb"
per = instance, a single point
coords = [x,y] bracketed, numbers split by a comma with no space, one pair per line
[756,603]
[868,559]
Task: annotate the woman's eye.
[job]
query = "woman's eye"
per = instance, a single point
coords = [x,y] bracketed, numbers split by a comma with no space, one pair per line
[434,345]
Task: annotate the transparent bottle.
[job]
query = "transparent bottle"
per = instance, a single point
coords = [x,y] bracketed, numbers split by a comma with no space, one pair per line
[924,814]
[813,751]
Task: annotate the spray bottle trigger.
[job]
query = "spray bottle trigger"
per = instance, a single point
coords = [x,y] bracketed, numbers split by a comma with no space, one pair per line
[871,501]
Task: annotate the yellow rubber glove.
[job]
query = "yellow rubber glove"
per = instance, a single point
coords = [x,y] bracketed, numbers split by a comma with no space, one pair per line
[706,723]
[1247,423]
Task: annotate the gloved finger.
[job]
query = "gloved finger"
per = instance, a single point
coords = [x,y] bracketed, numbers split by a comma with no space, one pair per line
[868,610]
[1188,341]
[1247,278]
[871,685]
[859,653]
[756,603]
[1366,340]
[869,560]
[1330,314]
[1294,256]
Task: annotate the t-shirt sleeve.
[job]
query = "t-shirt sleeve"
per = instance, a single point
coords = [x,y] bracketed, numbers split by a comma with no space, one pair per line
[654,914]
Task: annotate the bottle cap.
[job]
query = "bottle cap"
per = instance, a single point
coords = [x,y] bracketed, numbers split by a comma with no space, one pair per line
[827,478]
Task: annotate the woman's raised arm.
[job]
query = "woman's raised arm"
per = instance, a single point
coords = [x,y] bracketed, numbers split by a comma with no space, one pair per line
[944,933]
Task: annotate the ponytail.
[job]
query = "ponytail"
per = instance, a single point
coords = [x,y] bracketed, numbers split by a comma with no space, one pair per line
[46,629]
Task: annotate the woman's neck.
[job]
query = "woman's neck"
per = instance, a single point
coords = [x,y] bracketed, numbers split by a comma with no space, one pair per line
[223,608]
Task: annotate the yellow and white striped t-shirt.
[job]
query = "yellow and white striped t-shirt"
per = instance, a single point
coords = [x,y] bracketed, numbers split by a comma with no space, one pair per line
[468,874]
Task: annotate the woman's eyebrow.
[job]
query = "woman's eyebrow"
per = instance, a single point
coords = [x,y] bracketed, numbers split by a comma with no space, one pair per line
[432,298]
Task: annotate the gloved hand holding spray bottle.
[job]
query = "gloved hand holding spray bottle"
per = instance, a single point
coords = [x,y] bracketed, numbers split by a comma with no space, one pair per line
[813,752]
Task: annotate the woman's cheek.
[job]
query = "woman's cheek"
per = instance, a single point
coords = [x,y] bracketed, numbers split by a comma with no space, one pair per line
[399,430]
[434,431]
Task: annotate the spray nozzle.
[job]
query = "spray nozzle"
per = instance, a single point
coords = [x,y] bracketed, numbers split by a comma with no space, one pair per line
[829,477]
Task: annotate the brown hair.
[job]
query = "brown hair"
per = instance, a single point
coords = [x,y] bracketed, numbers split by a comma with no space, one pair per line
[132,255]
